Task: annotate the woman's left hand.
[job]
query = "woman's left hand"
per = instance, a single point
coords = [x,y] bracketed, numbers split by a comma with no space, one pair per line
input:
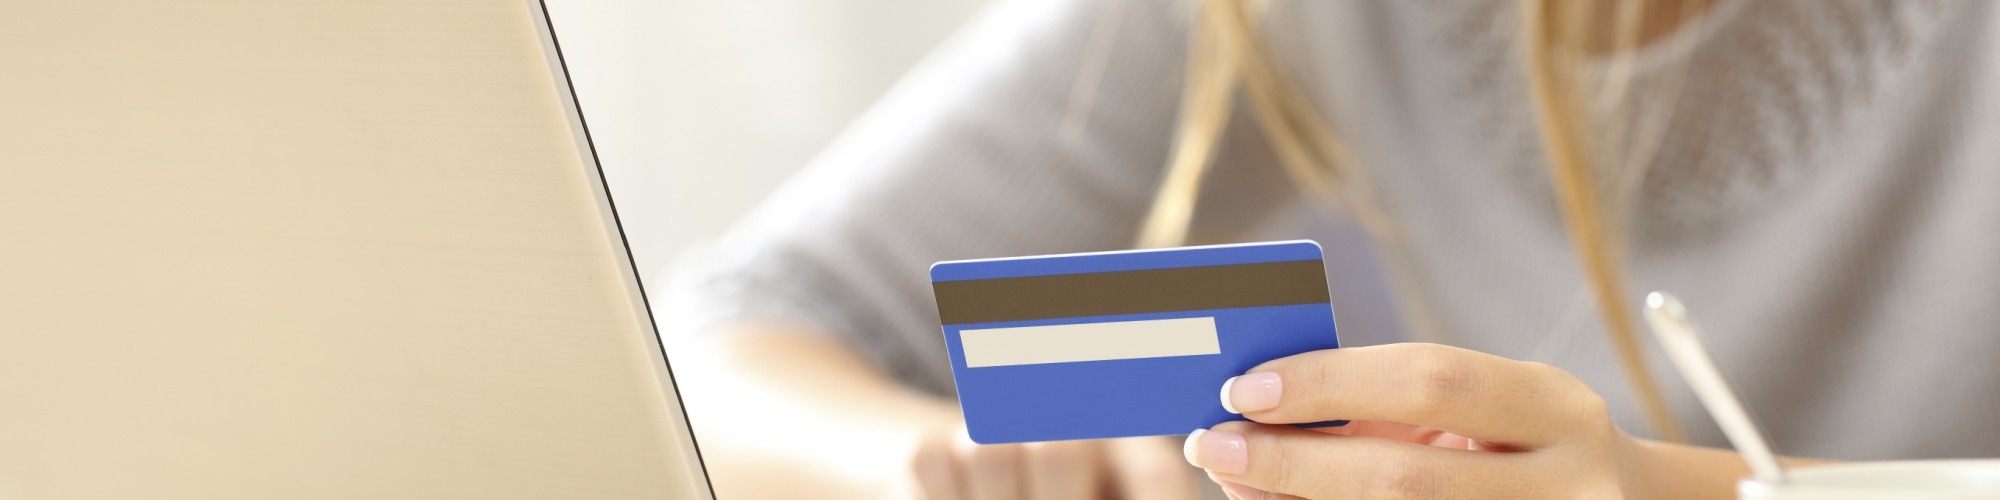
[1429,421]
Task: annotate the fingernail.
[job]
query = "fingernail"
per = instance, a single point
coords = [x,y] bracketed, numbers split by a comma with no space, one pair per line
[1241,492]
[1252,392]
[1217,451]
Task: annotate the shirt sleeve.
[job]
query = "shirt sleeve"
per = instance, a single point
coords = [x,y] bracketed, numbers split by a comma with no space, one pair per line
[1042,127]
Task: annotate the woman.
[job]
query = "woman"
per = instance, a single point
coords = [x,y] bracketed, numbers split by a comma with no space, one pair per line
[1497,184]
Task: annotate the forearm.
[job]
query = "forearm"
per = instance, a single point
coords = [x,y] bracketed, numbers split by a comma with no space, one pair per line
[784,413]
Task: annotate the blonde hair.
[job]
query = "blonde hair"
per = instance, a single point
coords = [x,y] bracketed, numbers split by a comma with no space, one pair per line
[1227,53]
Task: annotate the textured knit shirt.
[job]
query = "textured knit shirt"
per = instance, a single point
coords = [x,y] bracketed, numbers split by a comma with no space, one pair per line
[1823,198]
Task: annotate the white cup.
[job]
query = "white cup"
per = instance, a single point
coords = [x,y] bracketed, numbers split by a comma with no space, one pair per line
[1927,479]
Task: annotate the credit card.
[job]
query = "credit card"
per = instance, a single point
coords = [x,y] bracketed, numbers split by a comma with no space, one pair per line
[1123,344]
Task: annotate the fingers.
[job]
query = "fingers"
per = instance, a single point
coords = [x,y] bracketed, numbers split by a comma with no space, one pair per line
[1398,431]
[1150,468]
[955,468]
[1242,492]
[952,467]
[1285,460]
[1063,470]
[1466,392]
[989,472]
[935,466]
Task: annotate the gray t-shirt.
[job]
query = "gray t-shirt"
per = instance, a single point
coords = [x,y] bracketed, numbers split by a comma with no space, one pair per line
[1824,198]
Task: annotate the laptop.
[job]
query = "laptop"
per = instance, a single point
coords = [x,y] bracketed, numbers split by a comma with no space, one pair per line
[315,249]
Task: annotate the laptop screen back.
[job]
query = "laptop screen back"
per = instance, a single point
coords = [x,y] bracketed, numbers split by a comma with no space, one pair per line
[314,249]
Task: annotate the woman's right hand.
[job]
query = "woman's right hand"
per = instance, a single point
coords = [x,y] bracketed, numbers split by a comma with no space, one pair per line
[947,465]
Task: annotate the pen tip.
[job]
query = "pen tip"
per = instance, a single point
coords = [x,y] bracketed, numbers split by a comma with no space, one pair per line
[1664,302]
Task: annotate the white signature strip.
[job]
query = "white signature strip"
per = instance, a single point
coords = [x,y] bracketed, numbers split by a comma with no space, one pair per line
[1029,345]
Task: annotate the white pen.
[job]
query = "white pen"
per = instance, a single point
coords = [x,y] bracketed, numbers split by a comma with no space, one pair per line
[1682,340]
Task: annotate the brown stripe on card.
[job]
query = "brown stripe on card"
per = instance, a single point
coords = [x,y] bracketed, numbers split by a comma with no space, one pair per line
[1131,292]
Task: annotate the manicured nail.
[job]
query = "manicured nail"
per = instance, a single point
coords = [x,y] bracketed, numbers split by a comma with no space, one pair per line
[1217,451]
[1242,492]
[1252,392]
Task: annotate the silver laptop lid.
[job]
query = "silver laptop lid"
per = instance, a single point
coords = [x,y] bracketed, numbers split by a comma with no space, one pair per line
[315,249]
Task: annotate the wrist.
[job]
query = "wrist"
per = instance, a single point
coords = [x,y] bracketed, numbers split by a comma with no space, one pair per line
[1656,469]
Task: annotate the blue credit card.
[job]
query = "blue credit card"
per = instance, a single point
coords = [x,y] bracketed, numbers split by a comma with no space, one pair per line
[1123,344]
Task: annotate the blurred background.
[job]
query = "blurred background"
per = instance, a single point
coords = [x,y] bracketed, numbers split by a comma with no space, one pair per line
[700,108]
